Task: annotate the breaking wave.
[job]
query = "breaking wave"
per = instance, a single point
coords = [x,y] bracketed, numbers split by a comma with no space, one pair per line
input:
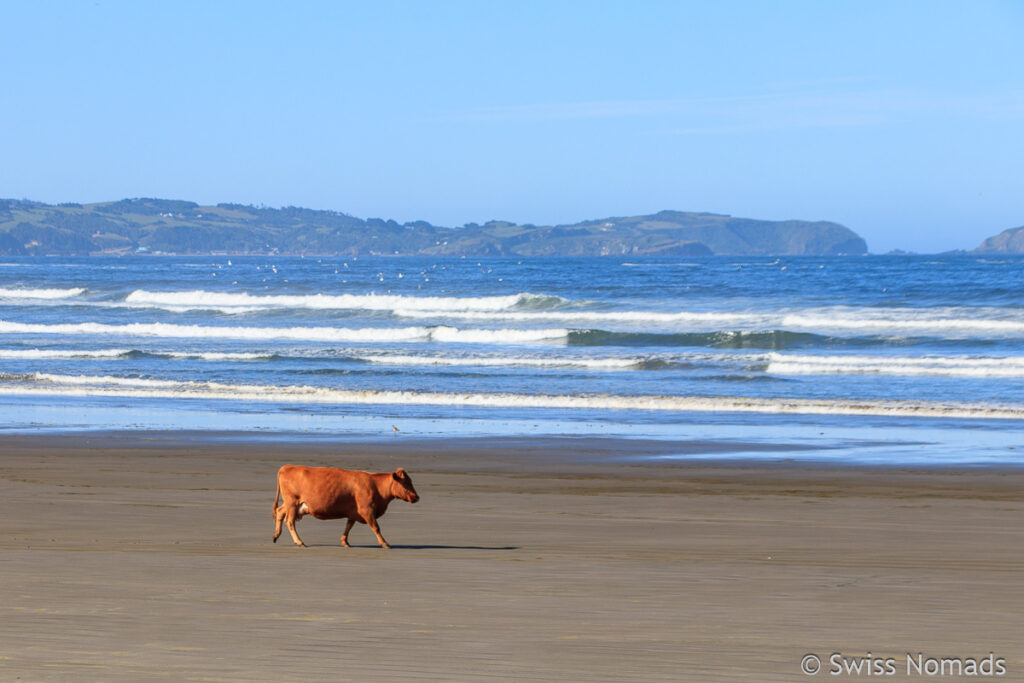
[69,293]
[316,334]
[215,355]
[55,354]
[751,361]
[516,361]
[224,301]
[769,339]
[84,385]
[772,339]
[940,366]
[963,321]
[689,318]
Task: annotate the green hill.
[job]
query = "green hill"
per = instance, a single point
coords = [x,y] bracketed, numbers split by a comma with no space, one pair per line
[183,227]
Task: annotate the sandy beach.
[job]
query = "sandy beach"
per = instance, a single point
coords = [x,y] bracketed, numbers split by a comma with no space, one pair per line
[148,556]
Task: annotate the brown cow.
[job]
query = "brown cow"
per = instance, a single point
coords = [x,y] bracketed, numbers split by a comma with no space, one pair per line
[332,493]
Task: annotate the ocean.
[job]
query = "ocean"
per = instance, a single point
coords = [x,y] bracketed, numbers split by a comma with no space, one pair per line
[892,360]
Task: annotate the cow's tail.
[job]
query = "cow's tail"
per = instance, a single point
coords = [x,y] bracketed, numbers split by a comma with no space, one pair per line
[277,495]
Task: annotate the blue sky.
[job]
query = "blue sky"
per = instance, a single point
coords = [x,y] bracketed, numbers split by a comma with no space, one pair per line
[901,120]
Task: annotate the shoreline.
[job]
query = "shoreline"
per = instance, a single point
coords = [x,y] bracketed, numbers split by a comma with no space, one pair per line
[546,451]
[147,556]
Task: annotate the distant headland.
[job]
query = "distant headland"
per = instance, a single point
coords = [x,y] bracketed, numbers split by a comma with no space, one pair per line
[1007,242]
[168,226]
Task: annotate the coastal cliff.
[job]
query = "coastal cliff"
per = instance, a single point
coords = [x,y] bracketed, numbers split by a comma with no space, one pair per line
[184,227]
[1009,241]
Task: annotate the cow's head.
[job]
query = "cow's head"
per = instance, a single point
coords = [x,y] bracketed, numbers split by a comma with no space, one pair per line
[401,486]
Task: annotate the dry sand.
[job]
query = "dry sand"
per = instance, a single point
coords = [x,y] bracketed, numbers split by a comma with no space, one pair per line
[148,557]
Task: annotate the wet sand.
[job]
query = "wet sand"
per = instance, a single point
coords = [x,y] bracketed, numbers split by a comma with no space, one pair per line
[148,556]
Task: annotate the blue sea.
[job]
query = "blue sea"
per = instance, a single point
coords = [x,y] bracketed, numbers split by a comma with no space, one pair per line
[896,360]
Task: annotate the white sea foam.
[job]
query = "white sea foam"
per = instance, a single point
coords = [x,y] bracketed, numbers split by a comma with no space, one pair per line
[507,361]
[40,354]
[7,293]
[109,381]
[862,321]
[215,355]
[107,354]
[199,299]
[688,319]
[167,330]
[317,334]
[525,307]
[69,385]
[940,366]
[602,363]
[229,310]
[959,321]
[474,336]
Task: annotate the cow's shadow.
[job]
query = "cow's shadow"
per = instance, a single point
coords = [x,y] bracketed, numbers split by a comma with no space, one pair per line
[454,547]
[396,546]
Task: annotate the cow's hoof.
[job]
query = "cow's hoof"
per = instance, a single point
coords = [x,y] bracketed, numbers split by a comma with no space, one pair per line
[386,546]
[274,539]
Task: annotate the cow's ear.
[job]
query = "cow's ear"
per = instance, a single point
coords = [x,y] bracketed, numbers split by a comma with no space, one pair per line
[399,473]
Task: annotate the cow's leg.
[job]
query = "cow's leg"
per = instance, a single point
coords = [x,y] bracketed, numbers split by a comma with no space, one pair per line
[290,521]
[348,527]
[371,521]
[279,514]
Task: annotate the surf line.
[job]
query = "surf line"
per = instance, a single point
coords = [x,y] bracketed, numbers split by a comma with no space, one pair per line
[314,395]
